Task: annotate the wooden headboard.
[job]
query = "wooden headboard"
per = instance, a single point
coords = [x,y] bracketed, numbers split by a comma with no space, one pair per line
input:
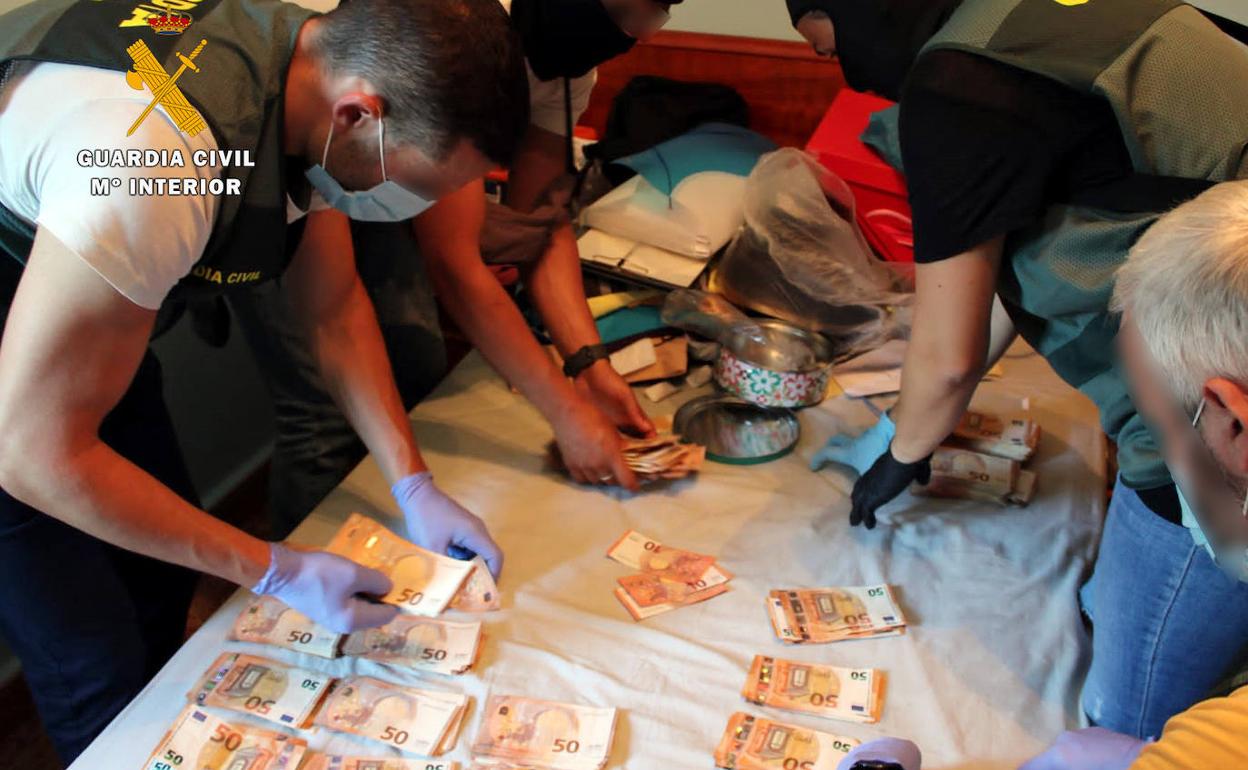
[787,87]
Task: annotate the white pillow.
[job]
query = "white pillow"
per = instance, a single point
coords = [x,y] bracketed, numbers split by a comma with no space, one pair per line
[704,212]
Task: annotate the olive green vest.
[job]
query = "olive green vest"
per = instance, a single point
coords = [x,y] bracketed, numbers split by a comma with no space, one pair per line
[1179,89]
[238,92]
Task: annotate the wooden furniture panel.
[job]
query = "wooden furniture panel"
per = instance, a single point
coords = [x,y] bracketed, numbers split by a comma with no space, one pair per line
[787,87]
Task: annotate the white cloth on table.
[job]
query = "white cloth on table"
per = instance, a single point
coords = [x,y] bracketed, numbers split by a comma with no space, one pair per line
[987,675]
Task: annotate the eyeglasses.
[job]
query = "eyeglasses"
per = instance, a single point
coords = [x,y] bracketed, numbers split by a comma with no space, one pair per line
[1200,410]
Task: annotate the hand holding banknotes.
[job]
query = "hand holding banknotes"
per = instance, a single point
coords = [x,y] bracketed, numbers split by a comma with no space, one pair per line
[327,588]
[439,524]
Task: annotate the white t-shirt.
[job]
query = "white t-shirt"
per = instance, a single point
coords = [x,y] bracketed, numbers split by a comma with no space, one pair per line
[546,98]
[141,244]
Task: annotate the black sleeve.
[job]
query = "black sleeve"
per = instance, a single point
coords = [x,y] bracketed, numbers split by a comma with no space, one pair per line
[986,148]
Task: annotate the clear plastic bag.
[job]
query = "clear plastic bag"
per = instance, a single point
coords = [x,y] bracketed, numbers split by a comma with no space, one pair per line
[708,315]
[800,257]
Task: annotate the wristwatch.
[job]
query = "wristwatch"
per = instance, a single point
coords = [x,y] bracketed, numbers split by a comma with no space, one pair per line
[583,359]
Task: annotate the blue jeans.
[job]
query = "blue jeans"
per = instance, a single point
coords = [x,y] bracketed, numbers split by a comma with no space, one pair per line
[1167,624]
[92,622]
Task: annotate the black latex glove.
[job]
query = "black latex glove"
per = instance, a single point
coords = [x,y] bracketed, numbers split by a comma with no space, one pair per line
[886,479]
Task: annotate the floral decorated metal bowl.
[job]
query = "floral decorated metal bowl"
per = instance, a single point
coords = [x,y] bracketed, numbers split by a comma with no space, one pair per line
[773,363]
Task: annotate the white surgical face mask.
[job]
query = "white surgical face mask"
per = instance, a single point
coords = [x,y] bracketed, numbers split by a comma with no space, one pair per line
[386,202]
[1231,559]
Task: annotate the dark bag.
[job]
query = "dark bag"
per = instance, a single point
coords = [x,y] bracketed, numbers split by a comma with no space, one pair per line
[650,110]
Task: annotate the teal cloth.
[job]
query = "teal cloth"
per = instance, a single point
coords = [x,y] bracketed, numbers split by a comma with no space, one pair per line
[629,322]
[709,147]
[883,135]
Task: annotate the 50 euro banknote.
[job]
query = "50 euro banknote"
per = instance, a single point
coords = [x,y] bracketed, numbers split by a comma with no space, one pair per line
[423,644]
[423,722]
[425,583]
[544,734]
[264,688]
[849,694]
[817,615]
[754,743]
[202,741]
[269,621]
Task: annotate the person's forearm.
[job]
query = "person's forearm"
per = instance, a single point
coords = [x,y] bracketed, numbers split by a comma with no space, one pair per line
[951,341]
[558,291]
[493,324]
[351,356]
[98,491]
[931,404]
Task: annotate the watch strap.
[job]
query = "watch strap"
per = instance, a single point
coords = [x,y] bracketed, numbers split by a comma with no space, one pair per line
[583,359]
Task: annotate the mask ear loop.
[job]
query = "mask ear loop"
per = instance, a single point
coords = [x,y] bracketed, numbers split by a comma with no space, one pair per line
[328,138]
[381,146]
[1243,511]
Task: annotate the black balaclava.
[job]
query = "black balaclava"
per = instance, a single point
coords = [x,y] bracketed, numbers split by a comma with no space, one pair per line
[567,38]
[877,41]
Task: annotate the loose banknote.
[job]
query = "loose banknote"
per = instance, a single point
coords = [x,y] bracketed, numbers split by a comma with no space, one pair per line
[266,620]
[424,582]
[479,592]
[200,741]
[424,722]
[817,615]
[558,736]
[266,688]
[339,762]
[669,577]
[849,694]
[424,644]
[754,743]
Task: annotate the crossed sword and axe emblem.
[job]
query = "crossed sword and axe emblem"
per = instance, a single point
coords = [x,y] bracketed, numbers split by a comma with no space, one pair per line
[165,92]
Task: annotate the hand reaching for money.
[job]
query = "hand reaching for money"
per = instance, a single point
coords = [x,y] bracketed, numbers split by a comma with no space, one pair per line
[592,448]
[896,751]
[439,524]
[608,391]
[327,588]
[886,479]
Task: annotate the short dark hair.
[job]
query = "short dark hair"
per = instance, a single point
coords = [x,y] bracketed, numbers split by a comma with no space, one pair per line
[448,70]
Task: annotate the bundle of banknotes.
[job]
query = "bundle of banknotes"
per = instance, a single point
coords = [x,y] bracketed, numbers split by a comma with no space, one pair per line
[424,722]
[754,743]
[425,583]
[525,733]
[848,694]
[664,457]
[819,615]
[667,578]
[1014,438]
[202,741]
[408,641]
[966,475]
[268,689]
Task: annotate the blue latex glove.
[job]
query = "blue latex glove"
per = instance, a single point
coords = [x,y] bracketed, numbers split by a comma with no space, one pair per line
[896,750]
[326,587]
[1092,749]
[438,523]
[860,452]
